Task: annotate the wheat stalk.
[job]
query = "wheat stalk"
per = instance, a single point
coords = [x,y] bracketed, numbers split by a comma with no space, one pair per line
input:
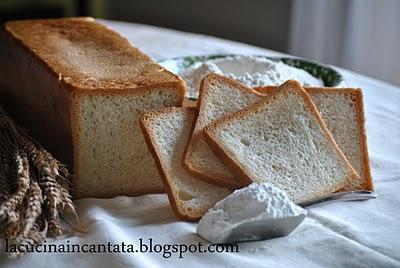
[63,181]
[33,208]
[34,187]
[48,184]
[5,187]
[8,208]
[36,235]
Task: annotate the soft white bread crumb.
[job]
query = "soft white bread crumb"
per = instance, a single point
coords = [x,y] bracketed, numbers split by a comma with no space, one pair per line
[167,132]
[113,157]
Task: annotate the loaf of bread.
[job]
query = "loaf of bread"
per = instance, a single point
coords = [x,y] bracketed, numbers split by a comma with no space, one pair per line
[167,132]
[80,88]
[282,139]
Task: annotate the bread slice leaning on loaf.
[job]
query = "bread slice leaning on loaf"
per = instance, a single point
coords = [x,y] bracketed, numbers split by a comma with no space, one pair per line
[79,88]
[282,139]
[218,96]
[167,132]
[342,110]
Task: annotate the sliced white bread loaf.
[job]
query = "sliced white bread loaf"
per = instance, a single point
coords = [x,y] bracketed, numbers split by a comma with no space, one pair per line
[343,113]
[167,132]
[85,87]
[218,96]
[282,139]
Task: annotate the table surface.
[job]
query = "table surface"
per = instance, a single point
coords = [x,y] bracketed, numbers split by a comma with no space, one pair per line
[359,234]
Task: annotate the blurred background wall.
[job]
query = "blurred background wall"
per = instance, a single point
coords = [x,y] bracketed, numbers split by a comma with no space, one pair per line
[362,35]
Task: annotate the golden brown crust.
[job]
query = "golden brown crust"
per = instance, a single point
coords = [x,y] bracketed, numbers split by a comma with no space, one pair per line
[227,159]
[216,179]
[290,84]
[155,151]
[101,51]
[363,142]
[212,178]
[266,89]
[123,193]
[18,81]
[189,103]
[357,93]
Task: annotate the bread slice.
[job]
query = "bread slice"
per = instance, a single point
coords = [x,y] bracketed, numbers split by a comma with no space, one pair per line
[343,113]
[80,88]
[167,132]
[218,96]
[282,139]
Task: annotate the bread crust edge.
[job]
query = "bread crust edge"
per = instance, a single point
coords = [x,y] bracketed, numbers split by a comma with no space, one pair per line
[155,151]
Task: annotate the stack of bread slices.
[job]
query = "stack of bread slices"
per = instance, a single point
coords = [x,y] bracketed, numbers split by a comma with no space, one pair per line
[310,142]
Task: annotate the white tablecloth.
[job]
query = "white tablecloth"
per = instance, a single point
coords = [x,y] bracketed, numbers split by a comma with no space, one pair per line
[359,234]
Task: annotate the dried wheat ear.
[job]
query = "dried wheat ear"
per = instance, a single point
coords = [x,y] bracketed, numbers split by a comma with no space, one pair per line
[34,188]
